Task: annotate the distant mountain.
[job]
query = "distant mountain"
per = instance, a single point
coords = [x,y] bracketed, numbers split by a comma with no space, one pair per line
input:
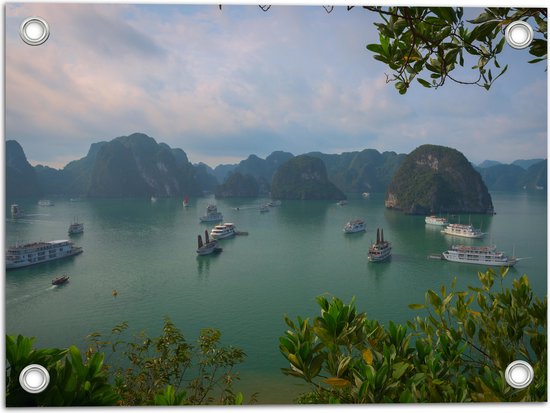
[365,171]
[221,172]
[238,185]
[526,163]
[205,177]
[488,164]
[304,177]
[21,179]
[262,170]
[536,176]
[513,177]
[128,166]
[502,177]
[437,179]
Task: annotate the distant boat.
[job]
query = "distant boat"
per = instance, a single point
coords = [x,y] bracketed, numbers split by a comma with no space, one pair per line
[209,247]
[186,202]
[355,226]
[45,203]
[479,255]
[153,199]
[60,280]
[274,203]
[16,211]
[264,208]
[434,220]
[212,214]
[365,194]
[466,231]
[76,228]
[342,202]
[381,250]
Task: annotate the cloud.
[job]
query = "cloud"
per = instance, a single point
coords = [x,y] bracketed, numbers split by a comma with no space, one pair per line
[222,85]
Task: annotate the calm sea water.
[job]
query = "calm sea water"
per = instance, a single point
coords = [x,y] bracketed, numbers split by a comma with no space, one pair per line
[295,252]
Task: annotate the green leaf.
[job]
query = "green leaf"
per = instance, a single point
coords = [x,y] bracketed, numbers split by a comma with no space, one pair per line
[425,84]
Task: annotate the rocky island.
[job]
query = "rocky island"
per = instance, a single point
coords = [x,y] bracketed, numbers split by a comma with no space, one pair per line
[304,177]
[238,185]
[437,179]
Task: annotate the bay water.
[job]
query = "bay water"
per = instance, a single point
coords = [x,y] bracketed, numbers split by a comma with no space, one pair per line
[146,252]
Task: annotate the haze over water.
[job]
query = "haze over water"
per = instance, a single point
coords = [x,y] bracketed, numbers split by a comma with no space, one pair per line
[295,252]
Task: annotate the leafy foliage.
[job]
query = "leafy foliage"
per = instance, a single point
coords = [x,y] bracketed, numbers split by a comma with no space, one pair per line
[457,352]
[168,370]
[72,381]
[434,42]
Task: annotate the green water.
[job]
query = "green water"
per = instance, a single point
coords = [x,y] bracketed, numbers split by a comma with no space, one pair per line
[146,251]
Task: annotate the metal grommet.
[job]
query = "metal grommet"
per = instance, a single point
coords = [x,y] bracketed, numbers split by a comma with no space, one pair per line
[519,34]
[34,378]
[34,31]
[519,374]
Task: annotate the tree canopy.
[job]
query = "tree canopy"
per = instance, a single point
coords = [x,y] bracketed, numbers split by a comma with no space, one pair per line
[432,44]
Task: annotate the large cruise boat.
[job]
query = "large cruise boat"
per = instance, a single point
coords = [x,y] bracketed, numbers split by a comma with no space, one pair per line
[226,230]
[38,252]
[355,226]
[381,250]
[461,230]
[487,255]
[212,214]
[435,220]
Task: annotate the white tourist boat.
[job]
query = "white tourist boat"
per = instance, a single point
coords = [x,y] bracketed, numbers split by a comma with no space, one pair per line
[76,228]
[365,194]
[45,203]
[38,252]
[342,202]
[487,255]
[435,220]
[16,211]
[225,230]
[212,214]
[355,226]
[461,230]
[381,250]
[208,247]
[264,208]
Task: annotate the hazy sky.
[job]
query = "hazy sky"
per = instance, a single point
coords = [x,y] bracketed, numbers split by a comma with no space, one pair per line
[224,84]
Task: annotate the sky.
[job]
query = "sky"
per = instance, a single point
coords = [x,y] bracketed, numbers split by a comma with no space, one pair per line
[222,85]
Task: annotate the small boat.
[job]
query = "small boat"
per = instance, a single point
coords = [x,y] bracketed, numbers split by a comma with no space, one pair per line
[153,199]
[274,203]
[466,231]
[355,226]
[16,211]
[212,214]
[435,220]
[365,194]
[76,228]
[264,208]
[227,230]
[45,203]
[60,280]
[186,202]
[209,247]
[381,250]
[487,255]
[342,202]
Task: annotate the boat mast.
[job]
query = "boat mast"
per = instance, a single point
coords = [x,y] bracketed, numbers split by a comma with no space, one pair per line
[377,235]
[200,241]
